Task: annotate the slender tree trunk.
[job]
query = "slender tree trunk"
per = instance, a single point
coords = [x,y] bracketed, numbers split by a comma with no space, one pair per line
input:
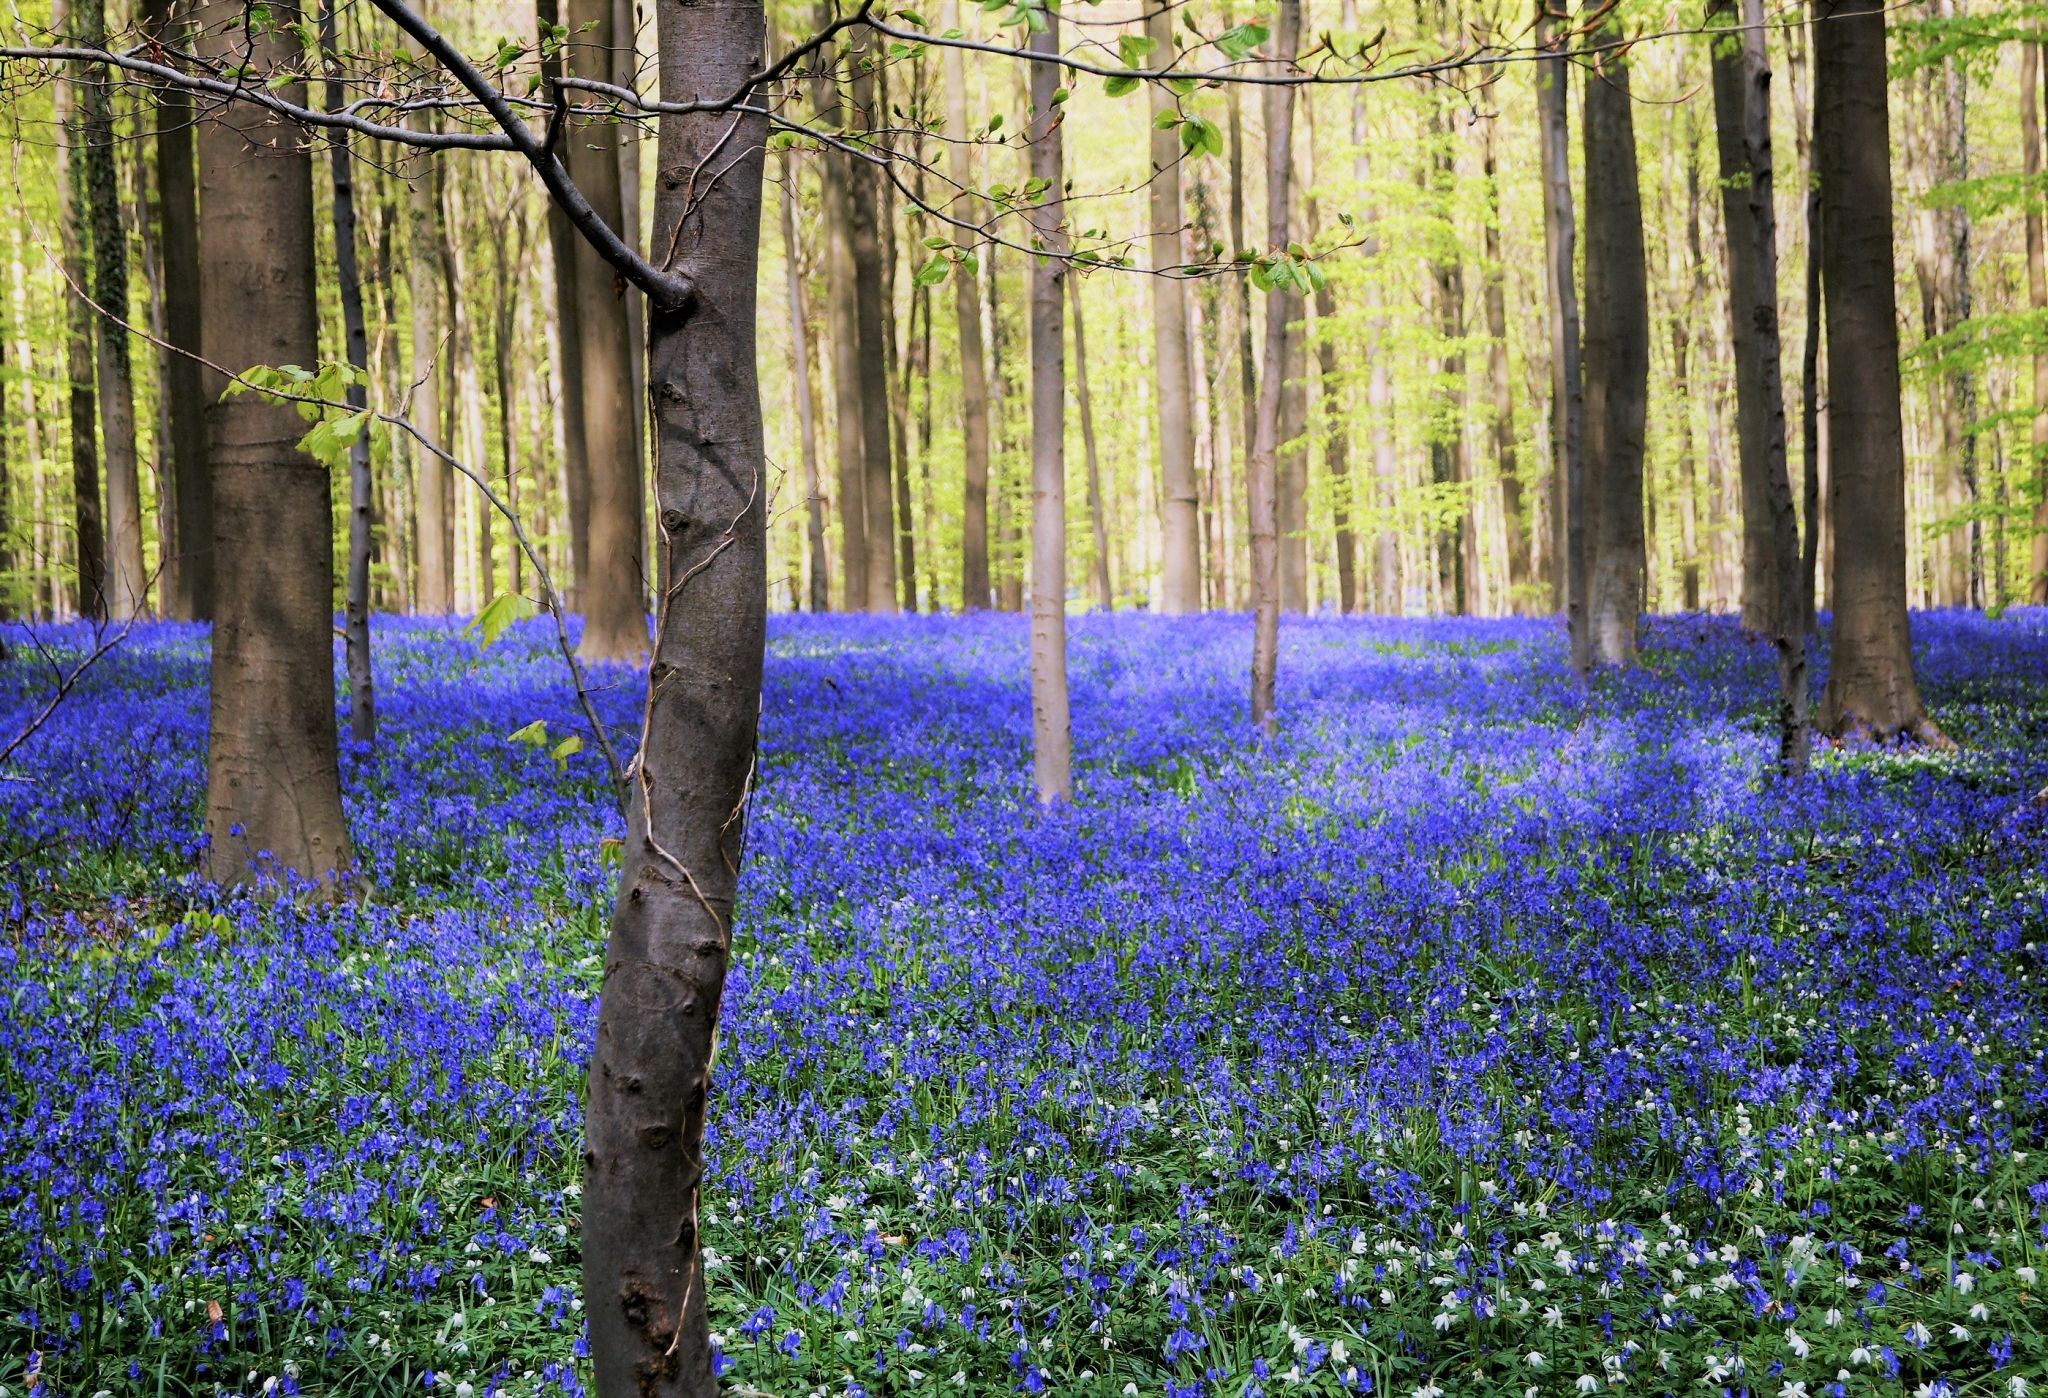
[974,419]
[1742,108]
[1810,433]
[1960,408]
[1617,364]
[871,364]
[1051,740]
[665,961]
[1567,386]
[563,246]
[432,482]
[1009,584]
[1247,387]
[1521,578]
[506,289]
[1870,688]
[1105,593]
[614,602]
[1261,475]
[88,528]
[1179,522]
[1336,449]
[362,705]
[2035,70]
[806,416]
[273,785]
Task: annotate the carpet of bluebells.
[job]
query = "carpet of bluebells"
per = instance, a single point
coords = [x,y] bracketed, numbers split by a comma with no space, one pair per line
[1485,1033]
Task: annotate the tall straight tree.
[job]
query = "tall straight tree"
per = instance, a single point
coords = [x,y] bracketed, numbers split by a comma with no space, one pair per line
[1179,507]
[1617,362]
[1514,511]
[1051,741]
[563,246]
[872,365]
[818,595]
[2032,112]
[188,570]
[1871,688]
[1567,382]
[1098,531]
[1742,116]
[433,483]
[1262,470]
[87,522]
[974,425]
[127,582]
[849,438]
[614,600]
[273,784]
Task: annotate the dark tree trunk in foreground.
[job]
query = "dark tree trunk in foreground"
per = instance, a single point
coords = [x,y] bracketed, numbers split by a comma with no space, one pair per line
[614,601]
[1617,362]
[362,703]
[88,528]
[1051,741]
[1262,471]
[272,783]
[665,962]
[188,576]
[1179,514]
[974,577]
[1871,689]
[1742,110]
[1567,385]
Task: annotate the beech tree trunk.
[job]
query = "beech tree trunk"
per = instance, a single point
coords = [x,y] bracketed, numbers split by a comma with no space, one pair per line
[1051,741]
[1105,594]
[871,366]
[362,704]
[1617,362]
[563,246]
[1567,384]
[974,420]
[273,787]
[2035,70]
[1742,110]
[1871,688]
[433,485]
[1336,450]
[614,601]
[671,934]
[88,527]
[1179,509]
[1262,470]
[819,592]
[1514,511]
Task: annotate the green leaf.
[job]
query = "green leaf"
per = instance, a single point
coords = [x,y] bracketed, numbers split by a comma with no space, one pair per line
[1133,49]
[933,272]
[502,610]
[566,749]
[1242,42]
[1167,120]
[1117,87]
[1181,86]
[534,733]
[331,438]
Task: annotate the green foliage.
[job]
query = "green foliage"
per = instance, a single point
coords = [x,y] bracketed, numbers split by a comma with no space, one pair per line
[320,396]
[504,609]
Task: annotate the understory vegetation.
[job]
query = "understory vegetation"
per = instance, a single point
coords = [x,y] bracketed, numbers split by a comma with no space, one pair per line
[1488,1031]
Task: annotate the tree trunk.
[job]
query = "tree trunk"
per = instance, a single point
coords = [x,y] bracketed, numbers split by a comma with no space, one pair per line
[818,594]
[974,420]
[1617,364]
[563,246]
[1009,584]
[2031,115]
[1105,593]
[1247,387]
[1742,110]
[362,707]
[665,961]
[272,782]
[1567,384]
[432,483]
[1521,581]
[1959,418]
[88,528]
[1051,741]
[871,365]
[1336,449]
[506,295]
[1870,687]
[1261,473]
[614,602]
[1179,517]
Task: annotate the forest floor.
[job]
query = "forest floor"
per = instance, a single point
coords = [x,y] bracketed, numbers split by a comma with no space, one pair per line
[1483,1034]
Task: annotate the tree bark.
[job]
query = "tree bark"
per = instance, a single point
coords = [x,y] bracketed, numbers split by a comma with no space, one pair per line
[432,484]
[1179,511]
[614,602]
[1051,740]
[974,419]
[362,704]
[1336,449]
[1521,580]
[819,592]
[273,786]
[1567,384]
[2034,70]
[1262,470]
[1105,592]
[871,365]
[666,958]
[1617,362]
[1742,109]
[563,247]
[88,523]
[1871,688]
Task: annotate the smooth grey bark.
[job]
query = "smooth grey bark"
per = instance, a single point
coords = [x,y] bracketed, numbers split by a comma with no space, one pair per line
[1105,590]
[433,485]
[818,593]
[1051,738]
[671,933]
[1179,507]
[1617,361]
[974,419]
[88,523]
[1521,576]
[362,702]
[1336,447]
[2035,70]
[563,244]
[1871,688]
[871,366]
[273,785]
[1262,470]
[1569,580]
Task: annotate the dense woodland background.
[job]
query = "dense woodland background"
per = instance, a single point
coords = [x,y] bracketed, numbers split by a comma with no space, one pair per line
[1420,411]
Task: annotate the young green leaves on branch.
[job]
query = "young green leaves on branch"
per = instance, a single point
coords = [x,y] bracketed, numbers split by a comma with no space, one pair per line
[318,395]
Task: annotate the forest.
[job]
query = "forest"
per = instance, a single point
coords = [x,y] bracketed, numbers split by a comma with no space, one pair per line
[1190,698]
